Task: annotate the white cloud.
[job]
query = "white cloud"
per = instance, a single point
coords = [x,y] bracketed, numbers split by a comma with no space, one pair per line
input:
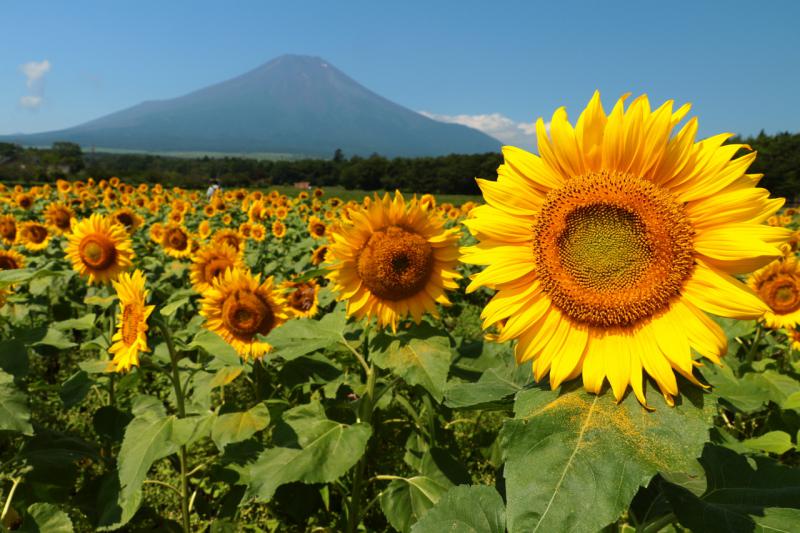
[35,71]
[31,102]
[508,131]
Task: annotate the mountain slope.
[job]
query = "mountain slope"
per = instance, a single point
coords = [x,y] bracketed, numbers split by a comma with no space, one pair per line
[293,104]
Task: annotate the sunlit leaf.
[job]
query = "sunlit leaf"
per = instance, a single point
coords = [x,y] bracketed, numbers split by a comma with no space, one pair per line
[465,509]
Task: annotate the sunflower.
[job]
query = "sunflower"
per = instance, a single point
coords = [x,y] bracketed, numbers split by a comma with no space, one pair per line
[204,229]
[157,232]
[128,218]
[427,202]
[239,307]
[11,260]
[316,227]
[8,229]
[99,248]
[59,217]
[393,260]
[609,248]
[279,229]
[34,236]
[318,255]
[778,284]
[210,262]
[258,232]
[302,297]
[230,237]
[176,241]
[24,200]
[131,335]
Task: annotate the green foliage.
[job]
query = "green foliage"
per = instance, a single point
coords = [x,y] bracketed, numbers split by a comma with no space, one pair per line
[574,460]
[465,509]
[14,412]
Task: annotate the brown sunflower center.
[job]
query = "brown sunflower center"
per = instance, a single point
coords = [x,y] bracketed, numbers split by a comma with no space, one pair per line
[126,219]
[8,230]
[612,249]
[25,202]
[245,314]
[132,317]
[782,294]
[8,263]
[395,263]
[61,219]
[302,298]
[215,268]
[176,238]
[318,229]
[97,252]
[37,234]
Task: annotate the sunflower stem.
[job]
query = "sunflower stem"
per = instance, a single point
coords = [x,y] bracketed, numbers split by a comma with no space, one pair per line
[176,384]
[751,353]
[659,523]
[112,376]
[365,409]
[16,481]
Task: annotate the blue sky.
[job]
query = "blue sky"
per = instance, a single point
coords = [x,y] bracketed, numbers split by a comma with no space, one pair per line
[497,65]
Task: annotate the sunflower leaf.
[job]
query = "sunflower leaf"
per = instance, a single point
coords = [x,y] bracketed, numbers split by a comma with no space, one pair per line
[406,500]
[302,336]
[575,461]
[421,356]
[14,412]
[742,494]
[465,509]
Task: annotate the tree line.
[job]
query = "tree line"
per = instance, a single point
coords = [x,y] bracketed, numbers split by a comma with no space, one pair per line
[778,160]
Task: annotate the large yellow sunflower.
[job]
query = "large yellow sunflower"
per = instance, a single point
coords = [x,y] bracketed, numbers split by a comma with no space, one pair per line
[392,260]
[131,335]
[212,261]
[239,307]
[99,248]
[608,249]
[778,284]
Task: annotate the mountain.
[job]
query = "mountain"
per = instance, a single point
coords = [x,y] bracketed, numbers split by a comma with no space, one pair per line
[293,104]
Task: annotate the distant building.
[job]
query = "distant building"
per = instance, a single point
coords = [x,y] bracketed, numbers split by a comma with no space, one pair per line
[302,185]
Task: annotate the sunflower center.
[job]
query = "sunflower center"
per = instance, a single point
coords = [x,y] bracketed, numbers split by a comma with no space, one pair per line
[132,316]
[784,295]
[302,298]
[61,219]
[176,239]
[125,219]
[97,253]
[8,263]
[245,315]
[37,234]
[319,230]
[215,268]
[395,263]
[612,249]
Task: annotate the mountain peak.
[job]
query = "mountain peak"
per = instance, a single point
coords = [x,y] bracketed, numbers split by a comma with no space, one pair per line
[295,104]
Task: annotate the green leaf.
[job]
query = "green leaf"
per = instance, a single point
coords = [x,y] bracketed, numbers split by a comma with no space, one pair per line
[406,500]
[186,431]
[744,394]
[14,357]
[778,442]
[421,356]
[75,388]
[739,492]
[236,427]
[493,389]
[176,301]
[311,448]
[14,412]
[574,462]
[305,335]
[103,302]
[779,386]
[147,439]
[45,336]
[215,346]
[465,509]
[84,323]
[22,275]
[792,402]
[46,518]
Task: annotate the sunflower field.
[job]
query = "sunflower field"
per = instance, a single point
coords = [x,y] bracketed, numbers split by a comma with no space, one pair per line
[605,342]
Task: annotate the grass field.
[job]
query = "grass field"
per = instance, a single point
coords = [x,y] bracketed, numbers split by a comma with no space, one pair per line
[359,194]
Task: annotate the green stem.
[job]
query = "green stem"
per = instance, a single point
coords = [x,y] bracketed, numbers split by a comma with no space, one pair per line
[365,410]
[176,384]
[751,353]
[7,506]
[112,400]
[659,523]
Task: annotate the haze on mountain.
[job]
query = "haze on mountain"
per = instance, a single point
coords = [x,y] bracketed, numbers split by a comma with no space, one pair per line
[291,105]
